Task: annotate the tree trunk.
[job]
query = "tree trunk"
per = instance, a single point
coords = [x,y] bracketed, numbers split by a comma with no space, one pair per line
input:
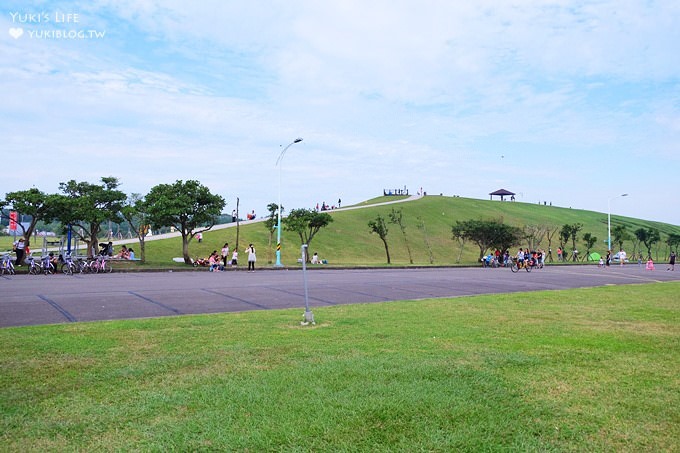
[142,248]
[408,248]
[387,252]
[460,252]
[185,248]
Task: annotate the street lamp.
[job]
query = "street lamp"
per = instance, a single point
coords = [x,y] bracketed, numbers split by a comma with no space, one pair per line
[609,220]
[278,223]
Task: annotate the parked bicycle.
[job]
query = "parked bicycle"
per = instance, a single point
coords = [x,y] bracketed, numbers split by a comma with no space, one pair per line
[33,266]
[100,264]
[71,267]
[7,266]
[46,265]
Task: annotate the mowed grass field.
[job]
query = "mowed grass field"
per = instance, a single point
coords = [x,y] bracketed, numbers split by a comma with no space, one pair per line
[581,370]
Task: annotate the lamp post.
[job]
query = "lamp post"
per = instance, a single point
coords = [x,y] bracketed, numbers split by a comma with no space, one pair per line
[278,221]
[609,220]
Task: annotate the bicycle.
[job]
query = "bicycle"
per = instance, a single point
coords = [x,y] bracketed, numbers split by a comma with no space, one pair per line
[33,267]
[46,266]
[7,267]
[516,266]
[100,264]
[70,267]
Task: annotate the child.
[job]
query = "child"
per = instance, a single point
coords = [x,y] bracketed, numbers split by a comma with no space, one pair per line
[234,258]
[650,264]
[601,263]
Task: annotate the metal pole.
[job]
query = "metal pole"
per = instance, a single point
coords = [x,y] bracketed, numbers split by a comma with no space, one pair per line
[279,162]
[609,225]
[309,316]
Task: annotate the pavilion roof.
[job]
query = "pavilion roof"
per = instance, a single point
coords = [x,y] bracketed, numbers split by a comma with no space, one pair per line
[502,192]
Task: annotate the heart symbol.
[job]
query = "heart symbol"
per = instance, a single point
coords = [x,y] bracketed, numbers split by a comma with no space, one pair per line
[16,32]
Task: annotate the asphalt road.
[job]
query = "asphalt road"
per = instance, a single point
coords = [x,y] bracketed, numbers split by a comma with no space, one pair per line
[32,300]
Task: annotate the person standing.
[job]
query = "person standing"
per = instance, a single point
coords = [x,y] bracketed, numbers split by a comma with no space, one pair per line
[671,262]
[608,260]
[225,253]
[19,249]
[622,256]
[251,258]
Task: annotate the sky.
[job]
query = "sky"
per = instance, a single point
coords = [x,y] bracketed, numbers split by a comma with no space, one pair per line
[571,103]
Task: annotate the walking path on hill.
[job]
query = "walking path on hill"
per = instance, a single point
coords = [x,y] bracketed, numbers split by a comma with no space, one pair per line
[222,226]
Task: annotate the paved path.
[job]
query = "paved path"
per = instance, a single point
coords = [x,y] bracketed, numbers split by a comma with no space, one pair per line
[222,226]
[29,300]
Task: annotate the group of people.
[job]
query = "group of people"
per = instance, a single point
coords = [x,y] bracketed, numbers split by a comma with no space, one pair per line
[504,259]
[604,262]
[125,253]
[326,207]
[22,250]
[227,258]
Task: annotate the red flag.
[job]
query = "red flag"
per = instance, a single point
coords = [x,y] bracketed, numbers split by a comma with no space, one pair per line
[12,221]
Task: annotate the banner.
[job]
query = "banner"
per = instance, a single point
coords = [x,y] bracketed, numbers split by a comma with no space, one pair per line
[12,221]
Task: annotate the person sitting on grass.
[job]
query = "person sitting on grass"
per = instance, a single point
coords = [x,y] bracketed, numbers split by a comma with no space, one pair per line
[215,262]
[124,253]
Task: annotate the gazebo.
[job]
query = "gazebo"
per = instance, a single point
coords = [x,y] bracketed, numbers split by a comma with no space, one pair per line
[502,193]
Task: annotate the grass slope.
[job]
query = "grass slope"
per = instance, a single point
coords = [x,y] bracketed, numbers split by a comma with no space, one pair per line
[347,241]
[582,370]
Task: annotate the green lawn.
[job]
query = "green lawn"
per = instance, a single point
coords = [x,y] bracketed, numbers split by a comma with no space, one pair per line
[580,370]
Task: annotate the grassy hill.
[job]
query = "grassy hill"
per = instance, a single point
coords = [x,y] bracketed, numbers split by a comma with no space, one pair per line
[348,241]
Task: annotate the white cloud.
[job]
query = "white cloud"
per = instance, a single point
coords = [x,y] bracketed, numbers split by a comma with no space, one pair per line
[384,93]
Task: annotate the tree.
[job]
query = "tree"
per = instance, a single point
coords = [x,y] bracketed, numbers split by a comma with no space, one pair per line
[458,233]
[397,218]
[34,203]
[550,233]
[421,226]
[134,213]
[673,241]
[570,232]
[619,234]
[271,224]
[379,227]
[648,236]
[589,241]
[188,206]
[565,234]
[306,223]
[87,206]
[487,234]
[534,235]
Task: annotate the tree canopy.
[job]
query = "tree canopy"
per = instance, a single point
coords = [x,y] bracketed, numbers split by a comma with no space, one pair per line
[187,206]
[86,206]
[306,223]
[34,203]
[487,234]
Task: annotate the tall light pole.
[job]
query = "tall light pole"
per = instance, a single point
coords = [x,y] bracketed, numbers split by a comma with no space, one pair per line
[609,220]
[278,222]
